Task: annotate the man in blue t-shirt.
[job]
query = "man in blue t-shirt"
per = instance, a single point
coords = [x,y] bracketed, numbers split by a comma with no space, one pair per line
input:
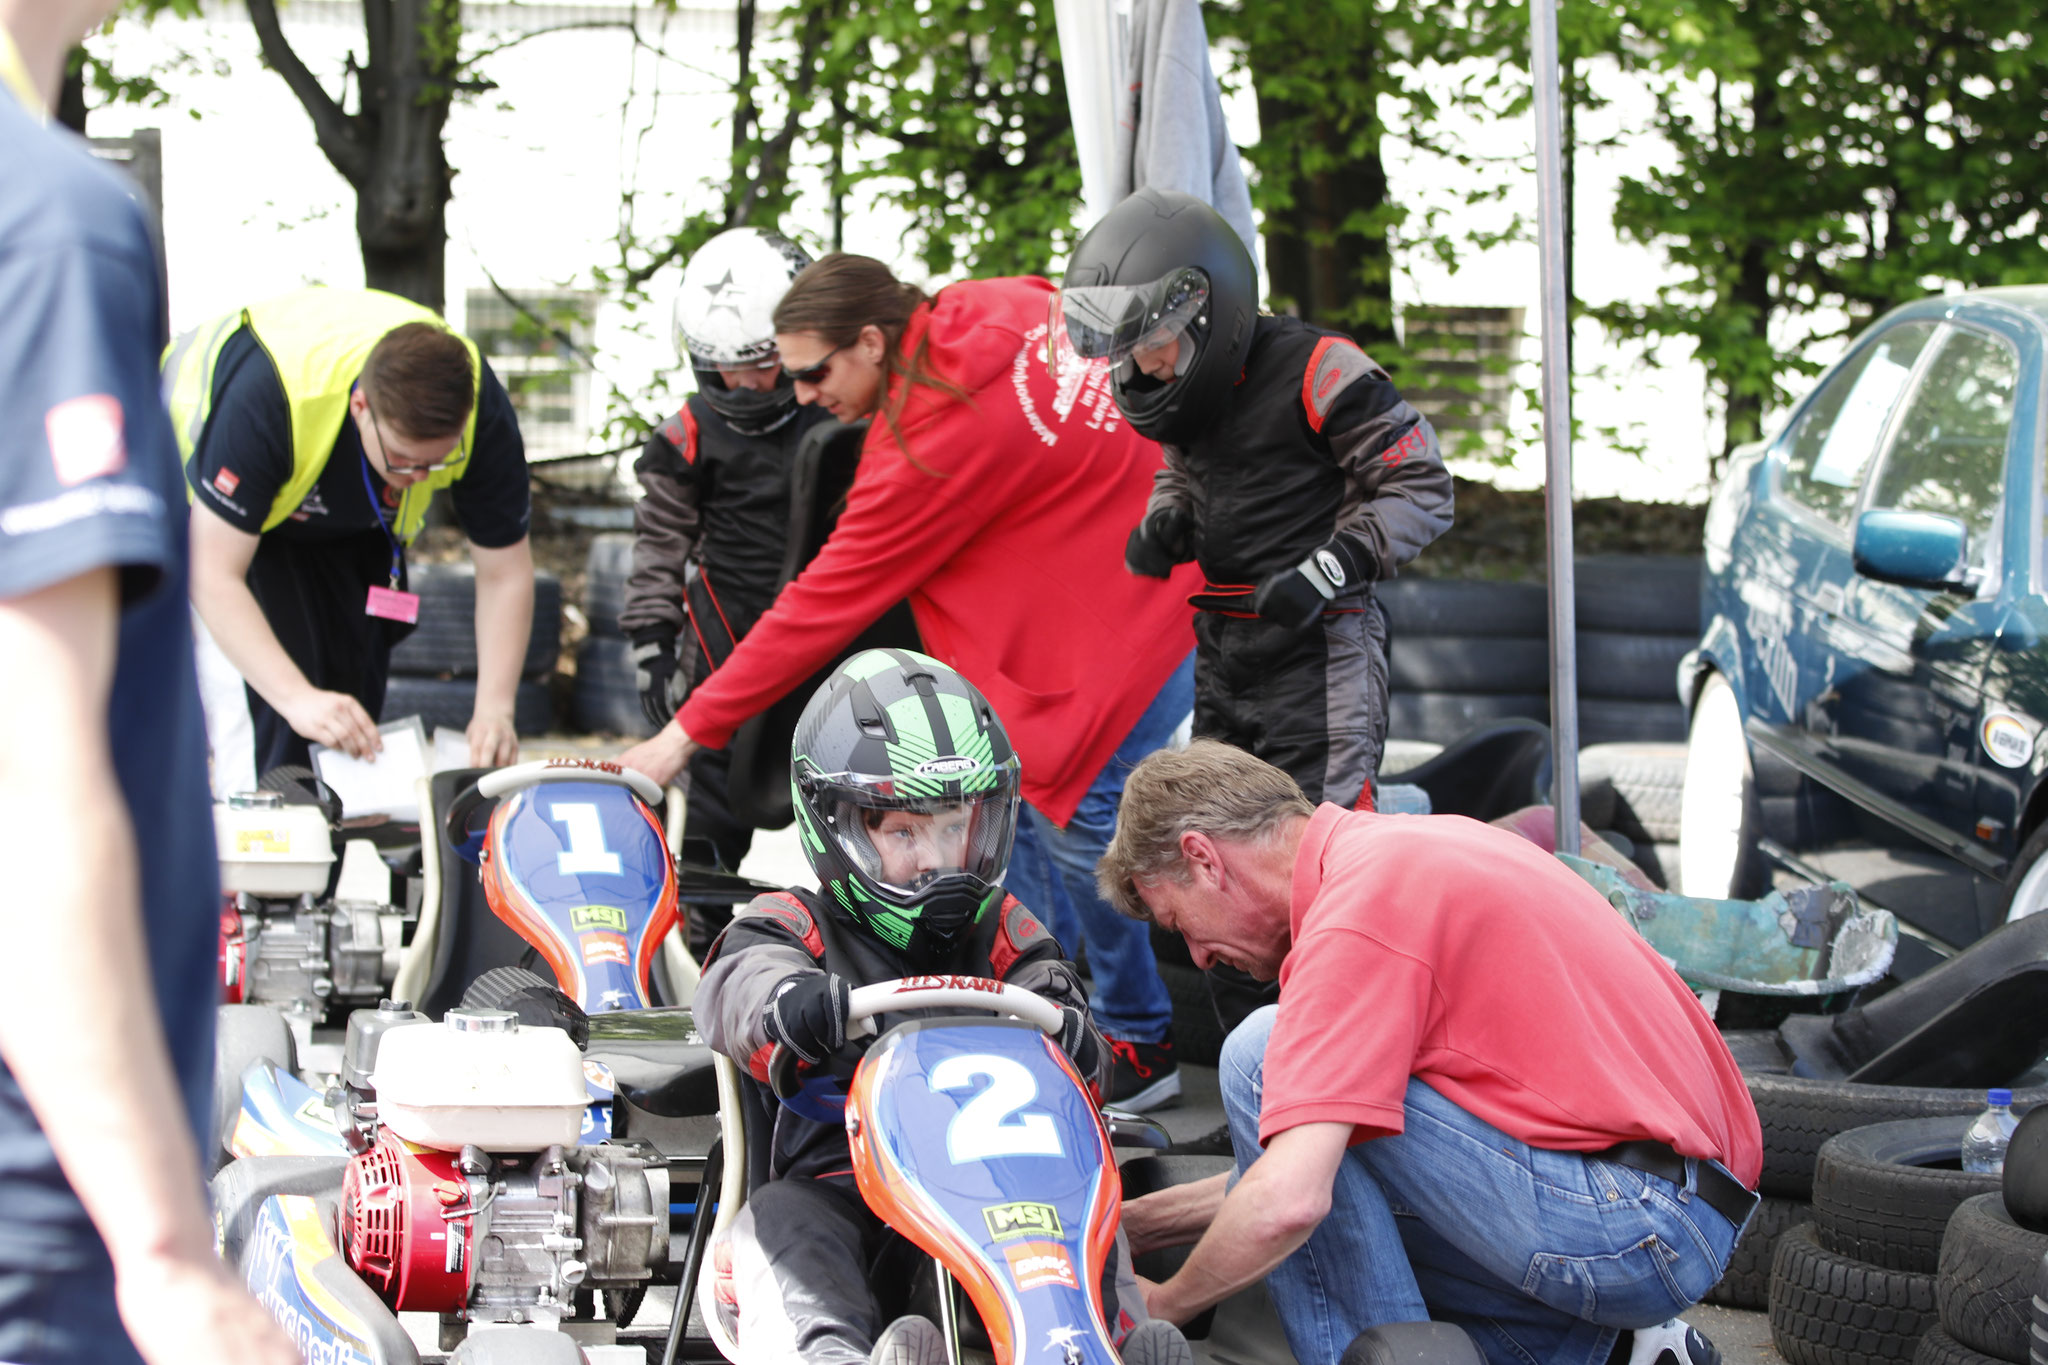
[109,924]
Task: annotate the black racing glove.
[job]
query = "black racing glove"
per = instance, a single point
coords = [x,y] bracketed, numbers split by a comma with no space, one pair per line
[807,1014]
[654,674]
[1162,540]
[1295,597]
[1080,1042]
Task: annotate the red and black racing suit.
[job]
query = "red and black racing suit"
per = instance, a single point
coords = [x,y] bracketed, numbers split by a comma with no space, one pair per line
[1314,445]
[818,1276]
[716,499]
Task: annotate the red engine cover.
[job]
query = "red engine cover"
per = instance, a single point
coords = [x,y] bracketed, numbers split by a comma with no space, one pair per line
[234,953]
[393,1230]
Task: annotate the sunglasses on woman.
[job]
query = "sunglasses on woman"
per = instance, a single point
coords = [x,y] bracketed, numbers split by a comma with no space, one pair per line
[815,374]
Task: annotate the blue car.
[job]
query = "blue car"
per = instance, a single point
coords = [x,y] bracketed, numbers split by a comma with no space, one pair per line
[1869,693]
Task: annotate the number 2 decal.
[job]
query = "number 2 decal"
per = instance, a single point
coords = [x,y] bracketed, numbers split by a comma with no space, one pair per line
[983,1127]
[586,851]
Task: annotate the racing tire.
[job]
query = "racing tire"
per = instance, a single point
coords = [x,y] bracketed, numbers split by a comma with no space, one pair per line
[1443,606]
[1989,1266]
[1636,790]
[1468,663]
[1625,720]
[1717,852]
[242,1036]
[1829,1309]
[605,699]
[2025,1183]
[1630,665]
[450,702]
[1884,1194]
[1799,1113]
[1447,717]
[1939,1348]
[1746,1283]
[1640,593]
[604,581]
[443,644]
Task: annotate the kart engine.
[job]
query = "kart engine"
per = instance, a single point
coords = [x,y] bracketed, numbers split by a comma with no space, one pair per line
[280,944]
[502,1238]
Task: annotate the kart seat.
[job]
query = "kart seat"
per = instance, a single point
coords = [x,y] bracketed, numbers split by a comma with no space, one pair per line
[1493,770]
[1979,1019]
[468,937]
[658,1061]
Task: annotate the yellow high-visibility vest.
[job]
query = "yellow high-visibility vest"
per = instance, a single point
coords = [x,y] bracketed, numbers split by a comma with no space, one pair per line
[318,339]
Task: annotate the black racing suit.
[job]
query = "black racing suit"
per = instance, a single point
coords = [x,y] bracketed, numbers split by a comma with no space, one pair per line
[1314,445]
[818,1275]
[710,535]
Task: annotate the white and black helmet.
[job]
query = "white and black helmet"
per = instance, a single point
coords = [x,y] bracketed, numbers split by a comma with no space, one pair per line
[724,315]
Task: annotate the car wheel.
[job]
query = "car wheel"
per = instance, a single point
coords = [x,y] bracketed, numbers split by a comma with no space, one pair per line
[1717,831]
[1828,1309]
[2026,890]
[1883,1194]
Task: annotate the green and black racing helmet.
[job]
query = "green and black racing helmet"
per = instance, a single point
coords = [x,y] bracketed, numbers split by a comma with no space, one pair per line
[905,789]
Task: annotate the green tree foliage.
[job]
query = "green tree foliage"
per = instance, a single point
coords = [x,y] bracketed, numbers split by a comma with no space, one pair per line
[1845,157]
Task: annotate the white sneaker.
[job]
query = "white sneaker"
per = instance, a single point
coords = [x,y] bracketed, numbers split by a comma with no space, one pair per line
[1676,1342]
[909,1341]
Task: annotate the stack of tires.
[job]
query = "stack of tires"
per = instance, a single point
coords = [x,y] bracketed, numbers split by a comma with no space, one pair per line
[1801,1116]
[1991,1283]
[605,700]
[433,670]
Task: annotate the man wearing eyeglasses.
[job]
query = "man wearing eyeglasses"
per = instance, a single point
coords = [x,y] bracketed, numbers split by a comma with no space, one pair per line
[316,428]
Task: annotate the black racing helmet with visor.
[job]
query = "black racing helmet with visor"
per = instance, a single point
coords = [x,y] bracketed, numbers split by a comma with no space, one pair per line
[905,789]
[723,315]
[1161,267]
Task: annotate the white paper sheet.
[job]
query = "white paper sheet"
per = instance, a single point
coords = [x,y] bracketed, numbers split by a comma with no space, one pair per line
[451,748]
[384,783]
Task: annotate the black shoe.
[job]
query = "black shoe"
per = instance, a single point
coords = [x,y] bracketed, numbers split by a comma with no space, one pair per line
[1142,1076]
[1676,1342]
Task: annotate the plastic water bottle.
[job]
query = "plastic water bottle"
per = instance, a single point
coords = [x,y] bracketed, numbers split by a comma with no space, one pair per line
[1984,1144]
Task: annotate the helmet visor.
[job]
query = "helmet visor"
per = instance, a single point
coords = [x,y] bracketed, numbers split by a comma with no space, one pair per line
[1113,322]
[904,842]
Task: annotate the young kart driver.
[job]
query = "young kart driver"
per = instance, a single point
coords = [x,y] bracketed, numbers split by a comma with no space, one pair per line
[911,870]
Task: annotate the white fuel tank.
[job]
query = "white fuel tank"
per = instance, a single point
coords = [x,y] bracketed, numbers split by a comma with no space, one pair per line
[268,848]
[481,1078]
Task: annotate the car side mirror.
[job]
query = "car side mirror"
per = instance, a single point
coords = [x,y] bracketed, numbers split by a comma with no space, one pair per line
[1914,549]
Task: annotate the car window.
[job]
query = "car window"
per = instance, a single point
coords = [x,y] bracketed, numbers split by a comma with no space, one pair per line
[1829,449]
[1947,452]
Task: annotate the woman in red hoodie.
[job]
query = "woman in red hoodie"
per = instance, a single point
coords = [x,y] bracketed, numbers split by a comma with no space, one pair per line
[997,500]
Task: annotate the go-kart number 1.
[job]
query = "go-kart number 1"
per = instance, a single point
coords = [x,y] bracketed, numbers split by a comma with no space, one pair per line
[982,1128]
[586,851]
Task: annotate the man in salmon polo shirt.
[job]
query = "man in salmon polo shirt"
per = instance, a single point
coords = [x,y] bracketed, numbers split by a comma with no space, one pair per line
[1481,1100]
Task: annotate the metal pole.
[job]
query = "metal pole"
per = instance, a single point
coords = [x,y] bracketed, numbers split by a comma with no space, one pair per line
[1557,425]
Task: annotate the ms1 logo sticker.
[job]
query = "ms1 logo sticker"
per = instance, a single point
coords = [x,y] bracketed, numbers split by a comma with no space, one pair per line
[1021,1220]
[1034,1265]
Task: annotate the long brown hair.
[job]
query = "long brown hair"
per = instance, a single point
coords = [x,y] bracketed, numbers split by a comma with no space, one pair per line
[841,293]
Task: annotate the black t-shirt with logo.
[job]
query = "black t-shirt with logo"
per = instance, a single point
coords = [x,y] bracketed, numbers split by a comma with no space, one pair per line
[244,457]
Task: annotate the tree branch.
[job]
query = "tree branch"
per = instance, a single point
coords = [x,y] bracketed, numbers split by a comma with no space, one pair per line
[334,130]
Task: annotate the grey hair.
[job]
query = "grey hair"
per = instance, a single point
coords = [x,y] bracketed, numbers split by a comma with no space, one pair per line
[1208,787]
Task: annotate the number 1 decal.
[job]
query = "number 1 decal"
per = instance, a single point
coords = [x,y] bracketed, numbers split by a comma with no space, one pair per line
[983,1128]
[586,851]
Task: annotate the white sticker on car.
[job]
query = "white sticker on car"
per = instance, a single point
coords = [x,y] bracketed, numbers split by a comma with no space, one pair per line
[2007,739]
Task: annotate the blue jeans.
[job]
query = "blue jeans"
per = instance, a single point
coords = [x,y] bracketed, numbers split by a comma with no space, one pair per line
[1052,870]
[1540,1255]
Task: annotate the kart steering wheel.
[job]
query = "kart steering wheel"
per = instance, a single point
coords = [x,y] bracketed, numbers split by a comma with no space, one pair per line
[501,781]
[919,993]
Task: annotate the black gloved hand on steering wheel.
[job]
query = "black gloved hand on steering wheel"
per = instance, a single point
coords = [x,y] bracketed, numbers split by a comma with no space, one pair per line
[807,1014]
[654,674]
[1080,1042]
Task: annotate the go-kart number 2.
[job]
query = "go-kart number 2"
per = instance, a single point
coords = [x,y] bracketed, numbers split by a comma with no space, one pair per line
[983,1127]
[586,851]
